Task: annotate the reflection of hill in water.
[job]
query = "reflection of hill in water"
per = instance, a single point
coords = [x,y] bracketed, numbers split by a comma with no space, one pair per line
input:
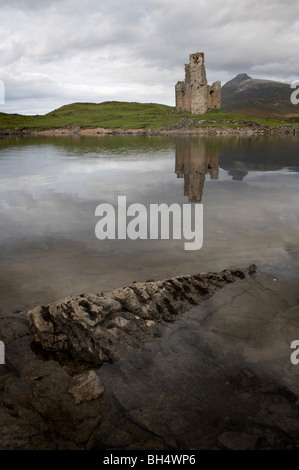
[241,156]
[195,158]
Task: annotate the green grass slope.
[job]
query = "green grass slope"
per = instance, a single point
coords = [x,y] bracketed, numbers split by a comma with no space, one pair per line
[107,114]
[117,114]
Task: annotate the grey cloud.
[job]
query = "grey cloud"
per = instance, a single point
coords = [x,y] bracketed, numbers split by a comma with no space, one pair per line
[118,46]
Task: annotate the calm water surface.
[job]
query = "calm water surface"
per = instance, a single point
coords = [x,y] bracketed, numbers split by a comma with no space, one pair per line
[49,190]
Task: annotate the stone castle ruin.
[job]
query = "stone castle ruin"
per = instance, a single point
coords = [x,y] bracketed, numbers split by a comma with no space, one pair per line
[194,94]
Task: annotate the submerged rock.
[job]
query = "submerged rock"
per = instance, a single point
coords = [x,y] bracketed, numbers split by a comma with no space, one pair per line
[237,441]
[107,327]
[86,387]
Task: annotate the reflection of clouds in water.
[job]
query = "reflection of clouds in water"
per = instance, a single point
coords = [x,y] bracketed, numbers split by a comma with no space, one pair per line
[69,209]
[49,202]
[23,214]
[59,195]
[67,171]
[63,199]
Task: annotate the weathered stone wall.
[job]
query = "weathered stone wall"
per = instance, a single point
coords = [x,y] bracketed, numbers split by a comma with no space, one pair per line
[187,95]
[198,79]
[198,97]
[180,96]
[214,95]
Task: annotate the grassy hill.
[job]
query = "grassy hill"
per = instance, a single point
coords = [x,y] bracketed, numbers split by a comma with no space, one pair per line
[120,115]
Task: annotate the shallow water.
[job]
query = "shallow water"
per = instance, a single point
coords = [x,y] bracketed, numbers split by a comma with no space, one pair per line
[50,188]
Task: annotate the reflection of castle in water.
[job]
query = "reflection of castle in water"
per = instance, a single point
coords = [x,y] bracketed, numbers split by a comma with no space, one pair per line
[194,159]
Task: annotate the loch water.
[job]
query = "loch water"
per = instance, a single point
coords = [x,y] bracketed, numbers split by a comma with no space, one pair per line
[50,188]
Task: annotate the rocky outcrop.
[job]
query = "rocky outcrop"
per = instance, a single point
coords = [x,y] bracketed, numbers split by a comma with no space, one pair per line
[106,327]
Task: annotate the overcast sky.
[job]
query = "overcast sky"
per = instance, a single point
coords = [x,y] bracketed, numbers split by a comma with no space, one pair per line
[54,52]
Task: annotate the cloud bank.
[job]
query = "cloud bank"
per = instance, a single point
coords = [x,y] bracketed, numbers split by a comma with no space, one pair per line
[62,51]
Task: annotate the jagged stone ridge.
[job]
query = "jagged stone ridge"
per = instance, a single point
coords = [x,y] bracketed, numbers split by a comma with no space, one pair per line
[106,327]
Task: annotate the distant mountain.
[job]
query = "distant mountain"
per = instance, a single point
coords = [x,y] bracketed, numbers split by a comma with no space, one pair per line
[260,98]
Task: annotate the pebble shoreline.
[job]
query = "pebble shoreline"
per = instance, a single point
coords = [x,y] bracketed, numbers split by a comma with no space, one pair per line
[186,126]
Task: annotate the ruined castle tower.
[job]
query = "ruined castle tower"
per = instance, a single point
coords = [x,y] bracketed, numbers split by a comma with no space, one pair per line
[194,94]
